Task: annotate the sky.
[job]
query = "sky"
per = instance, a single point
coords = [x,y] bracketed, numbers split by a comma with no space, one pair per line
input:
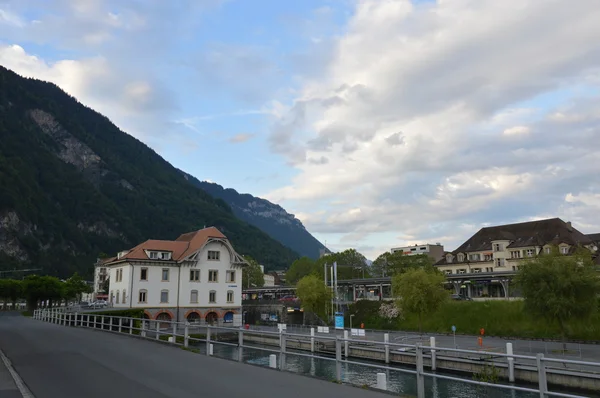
[378,123]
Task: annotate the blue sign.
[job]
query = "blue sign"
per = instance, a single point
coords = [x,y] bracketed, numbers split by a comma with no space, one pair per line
[339,320]
[453,328]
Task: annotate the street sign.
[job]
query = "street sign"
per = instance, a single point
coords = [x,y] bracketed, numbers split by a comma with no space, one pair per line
[453,328]
[339,320]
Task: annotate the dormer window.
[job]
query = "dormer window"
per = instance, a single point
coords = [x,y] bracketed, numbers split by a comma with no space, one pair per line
[564,250]
[449,258]
[165,255]
[460,257]
[498,247]
[153,255]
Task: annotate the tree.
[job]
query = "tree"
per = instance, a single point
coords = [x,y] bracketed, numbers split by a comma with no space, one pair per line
[74,287]
[252,275]
[300,268]
[351,264]
[420,291]
[313,295]
[559,288]
[10,290]
[390,264]
[37,288]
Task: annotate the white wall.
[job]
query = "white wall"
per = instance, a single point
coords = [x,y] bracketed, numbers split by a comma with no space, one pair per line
[123,285]
[154,285]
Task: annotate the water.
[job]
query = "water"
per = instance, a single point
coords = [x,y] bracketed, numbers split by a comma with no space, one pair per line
[360,375]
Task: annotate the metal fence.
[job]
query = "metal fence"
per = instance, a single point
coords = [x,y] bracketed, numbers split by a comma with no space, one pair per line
[287,341]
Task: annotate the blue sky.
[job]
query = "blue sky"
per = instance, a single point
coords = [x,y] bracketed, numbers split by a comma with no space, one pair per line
[377,122]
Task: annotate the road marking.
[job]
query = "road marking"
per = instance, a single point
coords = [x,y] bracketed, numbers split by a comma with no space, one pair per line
[16,378]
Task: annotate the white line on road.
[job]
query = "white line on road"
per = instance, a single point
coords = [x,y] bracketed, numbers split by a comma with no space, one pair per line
[17,379]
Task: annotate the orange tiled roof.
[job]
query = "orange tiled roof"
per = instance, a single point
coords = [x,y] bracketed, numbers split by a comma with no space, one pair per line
[180,248]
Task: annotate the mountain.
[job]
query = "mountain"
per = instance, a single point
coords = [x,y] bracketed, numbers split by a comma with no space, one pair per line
[267,216]
[74,185]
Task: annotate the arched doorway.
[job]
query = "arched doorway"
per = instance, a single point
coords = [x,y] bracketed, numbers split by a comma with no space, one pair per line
[164,318]
[212,318]
[193,317]
[228,317]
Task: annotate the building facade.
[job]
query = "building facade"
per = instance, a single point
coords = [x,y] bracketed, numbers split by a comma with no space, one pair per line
[436,252]
[196,277]
[484,265]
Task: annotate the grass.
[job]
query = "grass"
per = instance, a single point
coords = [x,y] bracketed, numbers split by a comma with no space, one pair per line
[27,313]
[498,318]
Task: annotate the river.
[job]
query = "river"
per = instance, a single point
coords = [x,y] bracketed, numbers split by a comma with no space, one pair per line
[398,382]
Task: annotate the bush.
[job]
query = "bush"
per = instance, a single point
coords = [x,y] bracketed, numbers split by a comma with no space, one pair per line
[129,313]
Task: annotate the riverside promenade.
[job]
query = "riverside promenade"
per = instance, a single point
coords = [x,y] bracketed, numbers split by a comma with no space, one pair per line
[58,362]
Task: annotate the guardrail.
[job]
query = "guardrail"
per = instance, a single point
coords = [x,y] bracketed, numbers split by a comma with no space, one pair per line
[425,356]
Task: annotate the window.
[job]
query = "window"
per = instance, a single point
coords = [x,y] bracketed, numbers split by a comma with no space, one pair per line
[474,257]
[462,271]
[165,255]
[164,296]
[488,257]
[112,296]
[528,252]
[448,272]
[489,269]
[548,250]
[230,296]
[476,270]
[515,267]
[214,255]
[230,277]
[194,296]
[564,250]
[165,274]
[117,297]
[154,255]
[142,296]
[449,258]
[194,275]
[119,276]
[413,250]
[515,254]
[498,247]
[499,262]
[213,275]
[423,248]
[124,296]
[144,274]
[212,296]
[460,257]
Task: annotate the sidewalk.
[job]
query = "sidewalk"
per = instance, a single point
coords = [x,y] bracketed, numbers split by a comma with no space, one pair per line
[8,389]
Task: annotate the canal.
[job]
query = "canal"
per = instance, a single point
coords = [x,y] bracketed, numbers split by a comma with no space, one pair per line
[360,375]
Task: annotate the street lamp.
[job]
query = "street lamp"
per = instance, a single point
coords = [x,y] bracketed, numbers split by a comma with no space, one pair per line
[351,315]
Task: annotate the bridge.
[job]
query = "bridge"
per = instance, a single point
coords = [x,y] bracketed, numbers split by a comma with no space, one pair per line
[58,362]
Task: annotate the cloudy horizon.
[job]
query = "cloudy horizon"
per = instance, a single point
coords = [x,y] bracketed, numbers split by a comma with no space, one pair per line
[378,123]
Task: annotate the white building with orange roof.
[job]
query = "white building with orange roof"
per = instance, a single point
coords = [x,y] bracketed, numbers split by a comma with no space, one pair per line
[197,277]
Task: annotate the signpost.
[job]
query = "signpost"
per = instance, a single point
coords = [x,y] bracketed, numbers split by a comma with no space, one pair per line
[454,334]
[339,320]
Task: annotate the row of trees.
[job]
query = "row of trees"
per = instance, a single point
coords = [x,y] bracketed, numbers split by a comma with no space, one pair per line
[36,289]
[352,264]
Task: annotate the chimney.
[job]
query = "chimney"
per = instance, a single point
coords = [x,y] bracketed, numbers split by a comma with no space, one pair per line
[569,226]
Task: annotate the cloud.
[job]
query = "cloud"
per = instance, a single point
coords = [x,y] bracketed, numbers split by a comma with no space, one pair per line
[457,79]
[239,138]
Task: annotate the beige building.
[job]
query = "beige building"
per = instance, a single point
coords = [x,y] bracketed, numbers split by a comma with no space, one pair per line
[483,266]
[436,252]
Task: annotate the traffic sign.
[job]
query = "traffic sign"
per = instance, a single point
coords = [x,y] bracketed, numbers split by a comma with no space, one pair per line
[453,328]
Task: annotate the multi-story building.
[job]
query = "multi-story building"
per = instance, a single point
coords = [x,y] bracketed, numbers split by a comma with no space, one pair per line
[484,265]
[197,277]
[100,278]
[436,252]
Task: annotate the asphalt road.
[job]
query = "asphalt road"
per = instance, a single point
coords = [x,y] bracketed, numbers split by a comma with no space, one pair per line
[59,362]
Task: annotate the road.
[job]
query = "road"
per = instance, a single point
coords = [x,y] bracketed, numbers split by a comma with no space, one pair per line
[59,362]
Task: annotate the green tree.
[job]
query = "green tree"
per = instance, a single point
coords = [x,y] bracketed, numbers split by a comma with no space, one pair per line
[560,288]
[351,264]
[252,275]
[10,290]
[300,268]
[37,288]
[74,287]
[390,264]
[313,295]
[420,291]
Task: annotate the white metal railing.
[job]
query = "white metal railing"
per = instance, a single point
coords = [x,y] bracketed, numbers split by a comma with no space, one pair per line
[181,333]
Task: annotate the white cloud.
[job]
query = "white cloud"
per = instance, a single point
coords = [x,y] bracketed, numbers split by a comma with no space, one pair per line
[449,81]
